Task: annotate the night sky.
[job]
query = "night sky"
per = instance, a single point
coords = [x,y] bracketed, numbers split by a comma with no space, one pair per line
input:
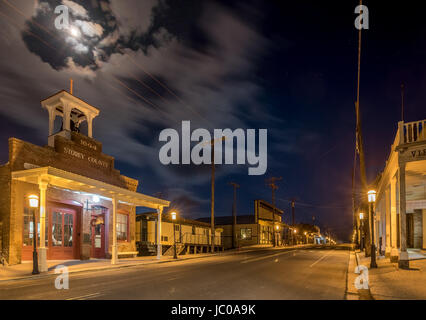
[289,67]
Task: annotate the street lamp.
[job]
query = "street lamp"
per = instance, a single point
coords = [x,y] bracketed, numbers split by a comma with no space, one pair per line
[371,200]
[174,234]
[361,218]
[277,227]
[306,236]
[33,201]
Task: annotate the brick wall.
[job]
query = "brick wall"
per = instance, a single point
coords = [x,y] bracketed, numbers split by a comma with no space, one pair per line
[13,193]
[5,208]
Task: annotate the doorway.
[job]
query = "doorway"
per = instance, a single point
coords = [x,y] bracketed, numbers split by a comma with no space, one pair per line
[97,225]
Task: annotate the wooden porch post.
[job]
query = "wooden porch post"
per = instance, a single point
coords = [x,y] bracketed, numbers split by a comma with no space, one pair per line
[114,258]
[159,252]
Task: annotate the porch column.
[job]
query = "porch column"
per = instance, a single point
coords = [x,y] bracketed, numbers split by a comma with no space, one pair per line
[159,212]
[394,250]
[114,257]
[51,112]
[403,256]
[42,250]
[387,222]
[89,126]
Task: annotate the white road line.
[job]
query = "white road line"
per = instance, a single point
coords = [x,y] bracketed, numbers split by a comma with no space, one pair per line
[86,296]
[319,260]
[266,257]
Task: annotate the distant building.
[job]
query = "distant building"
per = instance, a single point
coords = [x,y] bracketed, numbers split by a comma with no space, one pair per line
[400,208]
[191,236]
[257,228]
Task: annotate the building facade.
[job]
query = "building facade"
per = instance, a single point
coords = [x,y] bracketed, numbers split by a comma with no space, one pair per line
[191,236]
[86,207]
[400,208]
[257,228]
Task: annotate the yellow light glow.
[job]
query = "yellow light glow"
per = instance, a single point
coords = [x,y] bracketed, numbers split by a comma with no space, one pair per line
[361,215]
[295,231]
[371,196]
[174,214]
[33,199]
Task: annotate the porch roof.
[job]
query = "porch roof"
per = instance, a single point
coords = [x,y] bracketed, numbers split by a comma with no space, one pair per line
[71,181]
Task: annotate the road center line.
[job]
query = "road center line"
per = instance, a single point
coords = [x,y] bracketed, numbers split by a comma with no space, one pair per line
[319,260]
[267,257]
[91,295]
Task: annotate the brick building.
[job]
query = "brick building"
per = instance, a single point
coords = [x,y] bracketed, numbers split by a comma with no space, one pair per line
[86,207]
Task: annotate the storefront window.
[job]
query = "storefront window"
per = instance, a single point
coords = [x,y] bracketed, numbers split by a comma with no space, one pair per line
[28,229]
[57,229]
[245,233]
[68,228]
[122,227]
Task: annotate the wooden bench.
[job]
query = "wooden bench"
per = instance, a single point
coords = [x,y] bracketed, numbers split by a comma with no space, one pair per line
[128,253]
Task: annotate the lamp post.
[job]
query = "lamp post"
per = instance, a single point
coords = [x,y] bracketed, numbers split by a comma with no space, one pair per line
[361,232]
[174,235]
[295,238]
[33,201]
[277,227]
[371,200]
[306,237]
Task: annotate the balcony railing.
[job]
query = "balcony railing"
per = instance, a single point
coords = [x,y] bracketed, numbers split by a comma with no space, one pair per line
[412,132]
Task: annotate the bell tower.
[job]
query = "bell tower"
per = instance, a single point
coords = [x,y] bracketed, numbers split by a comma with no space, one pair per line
[73,112]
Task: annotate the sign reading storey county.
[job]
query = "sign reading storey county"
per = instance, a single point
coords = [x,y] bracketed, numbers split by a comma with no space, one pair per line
[85,150]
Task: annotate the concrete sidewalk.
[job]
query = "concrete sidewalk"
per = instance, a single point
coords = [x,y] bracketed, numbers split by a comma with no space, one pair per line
[23,271]
[388,282]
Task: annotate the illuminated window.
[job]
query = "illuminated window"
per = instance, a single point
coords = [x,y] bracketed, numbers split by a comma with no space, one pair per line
[122,227]
[245,233]
[28,229]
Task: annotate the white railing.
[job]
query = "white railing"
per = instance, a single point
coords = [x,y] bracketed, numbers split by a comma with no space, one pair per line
[199,239]
[412,131]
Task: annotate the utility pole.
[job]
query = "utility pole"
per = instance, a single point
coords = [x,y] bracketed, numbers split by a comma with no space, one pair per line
[292,219]
[271,183]
[212,142]
[359,140]
[212,201]
[402,102]
[234,215]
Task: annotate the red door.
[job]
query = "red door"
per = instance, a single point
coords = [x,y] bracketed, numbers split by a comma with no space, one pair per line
[98,236]
[63,242]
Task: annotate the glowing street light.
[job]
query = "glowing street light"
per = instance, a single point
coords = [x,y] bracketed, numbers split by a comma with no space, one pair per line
[371,199]
[361,218]
[33,202]
[174,214]
[371,196]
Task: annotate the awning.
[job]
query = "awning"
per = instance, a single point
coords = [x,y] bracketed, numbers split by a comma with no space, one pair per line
[74,182]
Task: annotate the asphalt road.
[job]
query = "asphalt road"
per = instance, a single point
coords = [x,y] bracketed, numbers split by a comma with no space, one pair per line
[306,273]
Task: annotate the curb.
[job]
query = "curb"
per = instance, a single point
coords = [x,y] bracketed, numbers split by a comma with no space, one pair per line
[364,294]
[351,292]
[110,267]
